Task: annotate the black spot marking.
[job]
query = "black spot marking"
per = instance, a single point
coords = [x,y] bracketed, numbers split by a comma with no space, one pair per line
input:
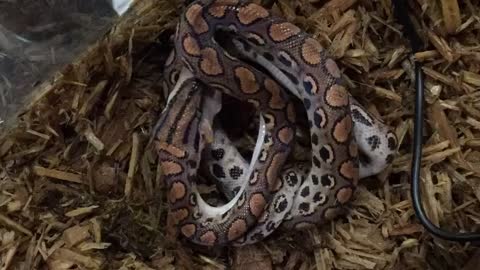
[270,226]
[268,119]
[268,56]
[290,76]
[192,163]
[241,200]
[325,154]
[196,141]
[389,158]
[360,118]
[284,60]
[218,154]
[307,85]
[192,199]
[197,215]
[241,239]
[217,171]
[236,190]
[307,103]
[209,220]
[316,161]
[392,143]
[305,191]
[314,139]
[318,119]
[292,179]
[257,236]
[364,159]
[374,142]
[254,41]
[174,76]
[236,172]
[263,155]
[318,197]
[280,204]
[315,179]
[328,180]
[267,139]
[304,207]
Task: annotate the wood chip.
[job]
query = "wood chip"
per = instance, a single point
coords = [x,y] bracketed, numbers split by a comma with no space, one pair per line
[132,165]
[451,15]
[14,225]
[75,235]
[57,174]
[81,211]
[441,45]
[253,257]
[63,257]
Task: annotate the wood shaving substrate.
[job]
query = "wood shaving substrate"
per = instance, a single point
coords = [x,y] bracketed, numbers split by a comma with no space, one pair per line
[80,189]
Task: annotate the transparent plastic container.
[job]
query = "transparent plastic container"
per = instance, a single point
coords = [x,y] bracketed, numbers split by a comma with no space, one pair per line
[38,37]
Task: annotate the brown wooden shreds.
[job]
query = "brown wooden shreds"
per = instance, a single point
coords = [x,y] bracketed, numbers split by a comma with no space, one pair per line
[252,257]
[79,188]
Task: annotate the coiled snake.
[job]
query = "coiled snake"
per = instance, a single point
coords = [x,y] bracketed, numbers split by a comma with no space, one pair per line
[267,62]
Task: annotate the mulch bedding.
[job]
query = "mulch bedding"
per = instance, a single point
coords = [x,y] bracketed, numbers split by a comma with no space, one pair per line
[80,189]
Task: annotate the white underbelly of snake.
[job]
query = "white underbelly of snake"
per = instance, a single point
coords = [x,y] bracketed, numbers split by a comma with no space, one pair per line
[300,194]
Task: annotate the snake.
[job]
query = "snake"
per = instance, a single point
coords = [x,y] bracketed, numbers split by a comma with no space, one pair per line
[273,63]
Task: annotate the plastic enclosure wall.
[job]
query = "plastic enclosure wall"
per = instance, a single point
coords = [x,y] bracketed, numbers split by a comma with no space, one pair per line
[38,37]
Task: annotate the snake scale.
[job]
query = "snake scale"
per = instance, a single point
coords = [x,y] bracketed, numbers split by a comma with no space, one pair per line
[268,62]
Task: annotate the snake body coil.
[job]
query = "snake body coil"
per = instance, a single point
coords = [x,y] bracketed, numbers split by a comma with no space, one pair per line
[273,62]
